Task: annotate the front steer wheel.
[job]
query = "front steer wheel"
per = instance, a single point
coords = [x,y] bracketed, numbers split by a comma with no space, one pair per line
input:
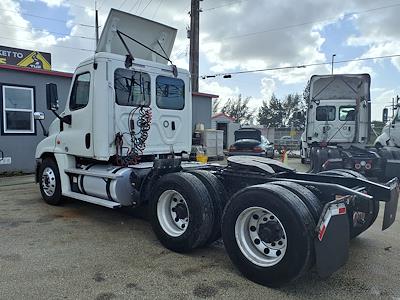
[49,182]
[181,212]
[268,234]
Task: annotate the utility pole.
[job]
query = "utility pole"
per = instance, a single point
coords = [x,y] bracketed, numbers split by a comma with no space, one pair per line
[96,21]
[194,43]
[333,61]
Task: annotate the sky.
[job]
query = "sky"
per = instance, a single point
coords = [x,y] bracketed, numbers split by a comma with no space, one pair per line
[235,35]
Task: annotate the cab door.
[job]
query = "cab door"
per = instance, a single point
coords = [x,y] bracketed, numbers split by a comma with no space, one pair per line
[173,111]
[76,138]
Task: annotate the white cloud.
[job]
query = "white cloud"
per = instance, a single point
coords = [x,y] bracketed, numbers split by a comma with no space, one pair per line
[52,3]
[267,88]
[380,100]
[224,92]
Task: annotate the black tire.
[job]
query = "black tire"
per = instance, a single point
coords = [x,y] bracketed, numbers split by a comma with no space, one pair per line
[309,199]
[298,225]
[218,197]
[200,211]
[49,182]
[370,217]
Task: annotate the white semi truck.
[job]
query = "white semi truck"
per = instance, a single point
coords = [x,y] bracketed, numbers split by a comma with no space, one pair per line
[390,136]
[119,143]
[338,129]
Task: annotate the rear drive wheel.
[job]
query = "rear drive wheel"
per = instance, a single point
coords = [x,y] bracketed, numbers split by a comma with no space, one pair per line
[359,221]
[268,234]
[218,197]
[49,182]
[181,212]
[309,199]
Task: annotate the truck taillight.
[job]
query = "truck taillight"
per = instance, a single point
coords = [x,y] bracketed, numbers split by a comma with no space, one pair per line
[357,166]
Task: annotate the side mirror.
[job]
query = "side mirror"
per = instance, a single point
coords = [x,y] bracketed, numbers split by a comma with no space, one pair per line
[51,96]
[38,116]
[385,115]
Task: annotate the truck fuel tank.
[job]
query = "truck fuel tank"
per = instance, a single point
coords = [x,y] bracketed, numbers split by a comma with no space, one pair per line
[118,188]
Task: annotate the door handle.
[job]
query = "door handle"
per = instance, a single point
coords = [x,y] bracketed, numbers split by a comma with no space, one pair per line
[173,125]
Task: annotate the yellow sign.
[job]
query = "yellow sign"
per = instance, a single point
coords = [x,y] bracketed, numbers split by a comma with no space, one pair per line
[3,61]
[293,133]
[35,60]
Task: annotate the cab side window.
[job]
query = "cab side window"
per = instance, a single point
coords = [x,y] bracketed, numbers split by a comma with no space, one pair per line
[170,93]
[80,92]
[326,113]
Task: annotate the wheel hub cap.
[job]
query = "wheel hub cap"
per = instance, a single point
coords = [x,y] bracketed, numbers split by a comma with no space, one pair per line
[260,236]
[173,213]
[270,232]
[48,182]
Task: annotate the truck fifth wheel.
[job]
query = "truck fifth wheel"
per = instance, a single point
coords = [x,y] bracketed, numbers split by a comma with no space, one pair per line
[120,142]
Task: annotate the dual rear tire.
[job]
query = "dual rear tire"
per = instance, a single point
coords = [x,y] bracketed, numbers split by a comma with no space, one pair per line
[268,233]
[267,229]
[186,209]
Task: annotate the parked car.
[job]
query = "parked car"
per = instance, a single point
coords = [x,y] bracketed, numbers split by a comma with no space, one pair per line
[249,141]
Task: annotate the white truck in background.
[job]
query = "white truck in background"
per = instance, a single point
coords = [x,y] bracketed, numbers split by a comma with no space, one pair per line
[338,128]
[390,136]
[119,143]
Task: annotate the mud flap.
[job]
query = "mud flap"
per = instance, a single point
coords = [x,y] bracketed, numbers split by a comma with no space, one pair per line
[391,206]
[333,239]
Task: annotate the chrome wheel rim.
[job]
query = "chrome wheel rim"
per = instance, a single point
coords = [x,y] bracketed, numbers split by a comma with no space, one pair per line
[48,182]
[173,213]
[260,236]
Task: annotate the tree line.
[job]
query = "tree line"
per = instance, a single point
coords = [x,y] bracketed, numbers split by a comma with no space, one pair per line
[288,111]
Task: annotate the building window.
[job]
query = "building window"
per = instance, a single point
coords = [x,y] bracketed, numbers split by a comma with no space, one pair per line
[170,93]
[132,88]
[326,113]
[18,108]
[80,92]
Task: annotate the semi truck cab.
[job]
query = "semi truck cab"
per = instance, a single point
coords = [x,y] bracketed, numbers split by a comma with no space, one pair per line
[391,132]
[338,111]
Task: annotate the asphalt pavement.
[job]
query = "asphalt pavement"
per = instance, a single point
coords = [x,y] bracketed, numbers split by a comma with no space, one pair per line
[83,251]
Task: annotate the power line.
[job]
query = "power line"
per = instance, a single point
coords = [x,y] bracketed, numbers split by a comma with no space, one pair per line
[138,6]
[224,5]
[148,3]
[77,5]
[307,22]
[227,75]
[158,7]
[122,4]
[57,46]
[43,30]
[46,18]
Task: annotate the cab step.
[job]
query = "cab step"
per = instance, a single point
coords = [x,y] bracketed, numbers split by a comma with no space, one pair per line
[93,200]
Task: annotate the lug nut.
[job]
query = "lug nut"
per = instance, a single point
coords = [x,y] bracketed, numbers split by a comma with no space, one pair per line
[253,228]
[257,241]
